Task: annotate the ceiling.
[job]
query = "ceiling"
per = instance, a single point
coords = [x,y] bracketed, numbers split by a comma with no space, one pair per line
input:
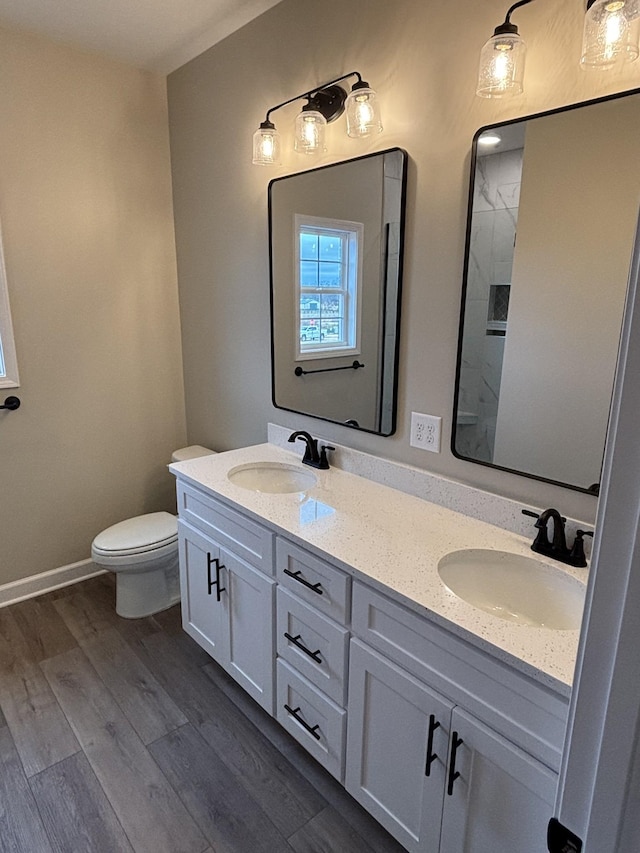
[159,35]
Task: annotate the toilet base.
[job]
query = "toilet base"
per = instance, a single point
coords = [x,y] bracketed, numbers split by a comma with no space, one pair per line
[140,594]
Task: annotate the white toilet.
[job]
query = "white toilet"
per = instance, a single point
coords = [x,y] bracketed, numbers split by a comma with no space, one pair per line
[143,553]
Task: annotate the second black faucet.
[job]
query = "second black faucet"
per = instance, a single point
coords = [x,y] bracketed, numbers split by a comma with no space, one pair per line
[557,548]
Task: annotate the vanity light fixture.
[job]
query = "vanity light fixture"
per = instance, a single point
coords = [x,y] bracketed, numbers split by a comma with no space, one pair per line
[324,105]
[502,60]
[611,33]
[611,37]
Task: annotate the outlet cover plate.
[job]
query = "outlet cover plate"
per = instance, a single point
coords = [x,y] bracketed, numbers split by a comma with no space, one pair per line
[425,432]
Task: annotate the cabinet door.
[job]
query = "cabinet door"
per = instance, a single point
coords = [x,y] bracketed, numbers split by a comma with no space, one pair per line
[203,617]
[503,798]
[397,735]
[249,601]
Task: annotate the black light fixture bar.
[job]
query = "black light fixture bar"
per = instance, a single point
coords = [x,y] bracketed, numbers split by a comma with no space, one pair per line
[507,27]
[328,99]
[507,19]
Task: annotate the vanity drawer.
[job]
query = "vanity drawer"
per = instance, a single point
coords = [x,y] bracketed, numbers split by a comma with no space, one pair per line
[507,700]
[324,662]
[315,581]
[314,720]
[231,529]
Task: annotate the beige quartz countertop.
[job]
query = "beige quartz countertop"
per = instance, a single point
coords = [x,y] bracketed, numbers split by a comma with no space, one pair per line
[394,541]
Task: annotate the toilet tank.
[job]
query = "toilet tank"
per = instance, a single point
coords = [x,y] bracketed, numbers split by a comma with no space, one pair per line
[191,452]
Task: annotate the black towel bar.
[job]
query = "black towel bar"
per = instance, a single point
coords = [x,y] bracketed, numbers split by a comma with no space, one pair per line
[300,372]
[11,403]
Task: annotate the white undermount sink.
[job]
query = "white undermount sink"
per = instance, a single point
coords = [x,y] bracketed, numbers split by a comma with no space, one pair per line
[272,477]
[514,587]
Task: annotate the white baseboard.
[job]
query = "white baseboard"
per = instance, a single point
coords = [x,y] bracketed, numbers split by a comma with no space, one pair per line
[11,593]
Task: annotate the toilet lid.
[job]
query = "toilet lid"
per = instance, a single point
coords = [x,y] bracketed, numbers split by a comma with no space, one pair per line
[141,533]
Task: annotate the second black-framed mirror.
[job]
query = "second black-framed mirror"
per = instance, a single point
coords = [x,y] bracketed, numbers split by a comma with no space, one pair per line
[553,207]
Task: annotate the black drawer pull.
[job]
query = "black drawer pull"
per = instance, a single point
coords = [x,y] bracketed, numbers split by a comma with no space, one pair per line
[214,561]
[453,774]
[431,755]
[296,642]
[313,730]
[297,576]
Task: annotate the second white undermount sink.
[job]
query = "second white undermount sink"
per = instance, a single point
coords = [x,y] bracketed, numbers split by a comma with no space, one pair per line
[272,477]
[515,587]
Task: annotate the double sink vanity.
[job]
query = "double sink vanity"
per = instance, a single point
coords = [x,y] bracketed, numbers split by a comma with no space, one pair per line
[422,656]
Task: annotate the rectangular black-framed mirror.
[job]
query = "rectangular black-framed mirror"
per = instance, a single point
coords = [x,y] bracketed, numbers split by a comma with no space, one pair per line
[336,237]
[553,206]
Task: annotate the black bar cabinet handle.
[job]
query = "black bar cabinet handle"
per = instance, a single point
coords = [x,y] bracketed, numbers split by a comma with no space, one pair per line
[11,403]
[296,642]
[210,583]
[453,773]
[431,755]
[297,576]
[219,589]
[313,730]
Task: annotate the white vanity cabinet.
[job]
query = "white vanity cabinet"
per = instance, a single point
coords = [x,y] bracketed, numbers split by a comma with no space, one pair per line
[450,747]
[313,604]
[228,599]
[433,773]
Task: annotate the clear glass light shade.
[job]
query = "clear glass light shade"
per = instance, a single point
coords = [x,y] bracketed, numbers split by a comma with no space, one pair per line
[501,66]
[611,33]
[266,147]
[363,113]
[310,132]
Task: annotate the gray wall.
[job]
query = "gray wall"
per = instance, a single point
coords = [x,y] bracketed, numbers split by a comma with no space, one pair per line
[85,205]
[406,50]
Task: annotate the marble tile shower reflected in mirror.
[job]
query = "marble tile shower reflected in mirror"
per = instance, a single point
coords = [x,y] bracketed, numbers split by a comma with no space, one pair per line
[493,232]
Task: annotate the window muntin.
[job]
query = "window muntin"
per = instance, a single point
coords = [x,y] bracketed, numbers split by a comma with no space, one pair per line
[8,363]
[328,273]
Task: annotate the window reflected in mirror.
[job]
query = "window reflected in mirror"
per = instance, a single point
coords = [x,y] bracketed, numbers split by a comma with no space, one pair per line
[328,279]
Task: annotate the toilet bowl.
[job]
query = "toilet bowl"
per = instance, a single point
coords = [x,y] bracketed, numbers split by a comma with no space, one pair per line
[143,554]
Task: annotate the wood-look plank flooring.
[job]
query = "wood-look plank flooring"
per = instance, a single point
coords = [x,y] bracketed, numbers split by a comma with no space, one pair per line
[123,736]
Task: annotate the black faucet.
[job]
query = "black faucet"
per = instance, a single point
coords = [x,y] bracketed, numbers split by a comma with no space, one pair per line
[313,457]
[557,548]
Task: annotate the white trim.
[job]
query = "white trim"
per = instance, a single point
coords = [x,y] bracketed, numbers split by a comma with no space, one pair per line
[10,378]
[11,593]
[596,796]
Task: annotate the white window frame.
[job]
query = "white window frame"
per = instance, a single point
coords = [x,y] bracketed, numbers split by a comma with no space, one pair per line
[353,300]
[9,375]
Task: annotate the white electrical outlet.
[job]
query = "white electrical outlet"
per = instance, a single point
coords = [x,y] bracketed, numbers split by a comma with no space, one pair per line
[425,432]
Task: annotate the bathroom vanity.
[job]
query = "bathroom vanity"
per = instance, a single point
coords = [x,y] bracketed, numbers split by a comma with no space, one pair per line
[444,721]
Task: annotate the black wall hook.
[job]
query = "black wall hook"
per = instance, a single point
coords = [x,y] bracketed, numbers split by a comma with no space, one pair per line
[11,403]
